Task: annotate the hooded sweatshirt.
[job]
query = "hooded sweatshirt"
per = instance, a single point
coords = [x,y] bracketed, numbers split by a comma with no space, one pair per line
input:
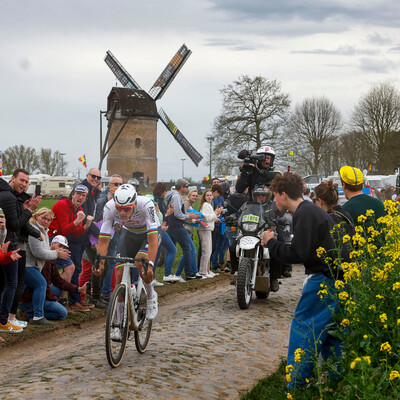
[179,216]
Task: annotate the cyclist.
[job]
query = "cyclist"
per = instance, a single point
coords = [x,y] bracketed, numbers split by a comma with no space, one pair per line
[139,236]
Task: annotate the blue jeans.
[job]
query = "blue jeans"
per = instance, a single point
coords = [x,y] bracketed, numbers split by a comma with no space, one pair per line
[52,310]
[112,251]
[181,235]
[221,244]
[310,321]
[76,257]
[9,280]
[170,251]
[35,280]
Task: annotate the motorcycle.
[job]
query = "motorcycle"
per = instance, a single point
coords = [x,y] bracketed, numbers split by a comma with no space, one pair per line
[254,260]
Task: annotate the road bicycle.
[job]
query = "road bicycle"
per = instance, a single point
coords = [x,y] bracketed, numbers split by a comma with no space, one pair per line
[126,313]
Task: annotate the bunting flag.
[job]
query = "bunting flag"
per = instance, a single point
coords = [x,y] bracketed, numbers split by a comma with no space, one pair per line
[1,163]
[370,168]
[83,160]
[207,178]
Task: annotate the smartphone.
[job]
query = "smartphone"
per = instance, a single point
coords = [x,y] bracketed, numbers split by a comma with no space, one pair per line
[38,188]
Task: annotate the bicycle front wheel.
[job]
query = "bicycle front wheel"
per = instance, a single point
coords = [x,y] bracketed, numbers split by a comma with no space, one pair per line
[116,327]
[142,335]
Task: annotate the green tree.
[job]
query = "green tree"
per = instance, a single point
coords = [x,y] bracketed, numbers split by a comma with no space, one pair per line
[253,110]
[20,156]
[376,118]
[312,129]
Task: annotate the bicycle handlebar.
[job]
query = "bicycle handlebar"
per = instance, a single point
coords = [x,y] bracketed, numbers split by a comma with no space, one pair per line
[143,260]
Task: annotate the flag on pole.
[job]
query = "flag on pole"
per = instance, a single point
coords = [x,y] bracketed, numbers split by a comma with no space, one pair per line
[207,178]
[83,160]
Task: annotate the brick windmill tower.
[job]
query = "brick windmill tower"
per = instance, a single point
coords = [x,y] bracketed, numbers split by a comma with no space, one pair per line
[131,141]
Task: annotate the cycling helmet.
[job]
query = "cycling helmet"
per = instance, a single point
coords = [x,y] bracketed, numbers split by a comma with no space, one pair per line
[267,150]
[125,195]
[260,190]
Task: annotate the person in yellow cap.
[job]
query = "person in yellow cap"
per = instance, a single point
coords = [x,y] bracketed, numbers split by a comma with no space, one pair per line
[358,203]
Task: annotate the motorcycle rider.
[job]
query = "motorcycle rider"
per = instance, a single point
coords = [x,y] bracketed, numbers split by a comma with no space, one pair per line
[263,196]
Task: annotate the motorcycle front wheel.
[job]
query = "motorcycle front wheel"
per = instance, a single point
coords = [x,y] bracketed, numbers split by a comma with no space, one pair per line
[243,286]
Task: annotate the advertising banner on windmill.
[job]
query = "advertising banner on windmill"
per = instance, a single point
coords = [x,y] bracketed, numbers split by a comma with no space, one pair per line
[194,155]
[169,73]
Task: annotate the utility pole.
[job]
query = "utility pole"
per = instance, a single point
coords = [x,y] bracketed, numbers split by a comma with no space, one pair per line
[183,167]
[62,163]
[210,140]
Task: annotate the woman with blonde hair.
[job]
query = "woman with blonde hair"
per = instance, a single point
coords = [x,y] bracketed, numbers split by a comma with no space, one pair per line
[205,232]
[37,253]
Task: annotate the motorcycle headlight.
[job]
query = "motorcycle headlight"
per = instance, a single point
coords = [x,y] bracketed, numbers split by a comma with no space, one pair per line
[250,226]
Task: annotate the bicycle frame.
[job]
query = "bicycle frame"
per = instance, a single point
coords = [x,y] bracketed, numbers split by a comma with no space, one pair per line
[130,299]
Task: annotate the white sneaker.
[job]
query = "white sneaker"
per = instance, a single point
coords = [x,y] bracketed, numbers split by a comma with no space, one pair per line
[115,335]
[200,276]
[213,274]
[17,322]
[156,283]
[209,276]
[171,278]
[181,280]
[152,307]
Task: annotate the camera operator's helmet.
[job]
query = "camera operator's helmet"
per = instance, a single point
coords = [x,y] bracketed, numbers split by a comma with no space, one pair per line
[260,190]
[125,196]
[267,150]
[134,182]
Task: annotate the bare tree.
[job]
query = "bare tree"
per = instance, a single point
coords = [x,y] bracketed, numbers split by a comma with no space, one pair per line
[377,118]
[51,163]
[20,157]
[312,129]
[253,109]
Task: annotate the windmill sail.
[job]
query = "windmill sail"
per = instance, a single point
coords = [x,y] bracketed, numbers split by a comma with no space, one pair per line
[169,73]
[194,155]
[120,72]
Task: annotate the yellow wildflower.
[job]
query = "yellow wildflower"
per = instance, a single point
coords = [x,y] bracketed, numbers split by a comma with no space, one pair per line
[343,296]
[320,252]
[383,317]
[298,353]
[339,284]
[396,286]
[370,213]
[345,322]
[394,375]
[289,368]
[289,396]
[365,336]
[346,238]
[386,347]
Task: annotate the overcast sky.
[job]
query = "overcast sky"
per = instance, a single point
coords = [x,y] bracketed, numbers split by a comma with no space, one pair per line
[54,81]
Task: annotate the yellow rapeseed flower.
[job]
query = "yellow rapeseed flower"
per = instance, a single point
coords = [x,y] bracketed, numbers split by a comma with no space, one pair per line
[370,213]
[339,284]
[320,252]
[396,286]
[289,396]
[383,317]
[346,238]
[345,322]
[298,353]
[289,368]
[361,219]
[386,347]
[394,375]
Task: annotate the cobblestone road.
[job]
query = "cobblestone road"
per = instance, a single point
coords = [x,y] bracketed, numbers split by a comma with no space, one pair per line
[202,347]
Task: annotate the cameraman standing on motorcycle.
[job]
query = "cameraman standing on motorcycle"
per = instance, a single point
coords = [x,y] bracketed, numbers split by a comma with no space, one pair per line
[256,169]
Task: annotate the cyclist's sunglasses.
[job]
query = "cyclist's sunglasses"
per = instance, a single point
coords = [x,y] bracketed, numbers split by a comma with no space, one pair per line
[95,177]
[116,183]
[124,208]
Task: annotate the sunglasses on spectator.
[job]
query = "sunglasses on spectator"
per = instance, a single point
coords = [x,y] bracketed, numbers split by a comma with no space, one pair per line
[116,183]
[95,177]
[124,208]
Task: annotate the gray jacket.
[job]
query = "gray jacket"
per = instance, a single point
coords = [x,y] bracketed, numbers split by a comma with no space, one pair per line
[38,252]
[3,235]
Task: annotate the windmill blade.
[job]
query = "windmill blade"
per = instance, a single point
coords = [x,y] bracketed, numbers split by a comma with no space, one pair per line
[194,155]
[169,73]
[120,72]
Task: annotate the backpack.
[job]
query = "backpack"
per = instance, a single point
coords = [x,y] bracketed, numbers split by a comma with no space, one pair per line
[346,228]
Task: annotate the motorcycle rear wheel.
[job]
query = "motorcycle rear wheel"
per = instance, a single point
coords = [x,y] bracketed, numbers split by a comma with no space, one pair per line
[243,288]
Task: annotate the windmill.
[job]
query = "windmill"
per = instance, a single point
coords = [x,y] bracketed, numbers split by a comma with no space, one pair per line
[132,109]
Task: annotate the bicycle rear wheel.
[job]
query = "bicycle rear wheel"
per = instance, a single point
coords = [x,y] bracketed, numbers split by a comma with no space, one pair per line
[142,335]
[116,327]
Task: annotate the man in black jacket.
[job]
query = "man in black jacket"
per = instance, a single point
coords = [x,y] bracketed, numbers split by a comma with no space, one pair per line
[18,208]
[311,228]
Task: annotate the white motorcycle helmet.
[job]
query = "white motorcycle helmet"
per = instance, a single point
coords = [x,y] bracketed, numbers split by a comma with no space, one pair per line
[267,150]
[125,195]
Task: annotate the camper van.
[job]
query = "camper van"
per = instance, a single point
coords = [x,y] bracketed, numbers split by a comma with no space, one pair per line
[51,186]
